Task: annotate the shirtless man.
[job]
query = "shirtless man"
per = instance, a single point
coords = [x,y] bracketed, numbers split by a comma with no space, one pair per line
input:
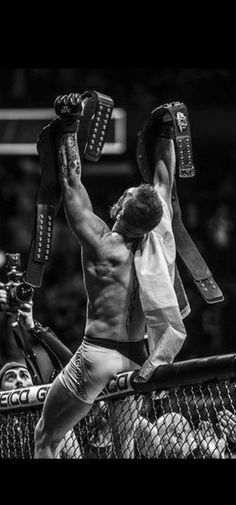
[114,332]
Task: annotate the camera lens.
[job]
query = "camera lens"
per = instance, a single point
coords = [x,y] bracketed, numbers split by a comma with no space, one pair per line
[23,293]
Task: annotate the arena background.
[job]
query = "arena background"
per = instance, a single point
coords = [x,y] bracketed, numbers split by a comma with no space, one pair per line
[208,200]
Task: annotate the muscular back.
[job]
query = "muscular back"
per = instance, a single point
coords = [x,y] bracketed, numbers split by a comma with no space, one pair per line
[114,309]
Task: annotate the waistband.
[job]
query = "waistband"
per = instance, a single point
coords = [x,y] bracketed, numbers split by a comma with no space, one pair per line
[136,351]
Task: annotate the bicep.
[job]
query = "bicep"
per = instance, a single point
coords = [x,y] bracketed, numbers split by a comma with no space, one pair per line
[75,195]
[89,229]
[87,226]
[165,167]
[161,180]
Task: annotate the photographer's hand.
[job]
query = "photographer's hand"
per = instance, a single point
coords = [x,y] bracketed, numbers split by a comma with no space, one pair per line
[25,311]
[4,301]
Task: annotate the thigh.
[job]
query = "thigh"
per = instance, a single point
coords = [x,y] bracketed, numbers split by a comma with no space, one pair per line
[100,365]
[89,370]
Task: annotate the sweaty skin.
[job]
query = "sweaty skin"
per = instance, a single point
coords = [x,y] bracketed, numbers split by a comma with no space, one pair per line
[114,309]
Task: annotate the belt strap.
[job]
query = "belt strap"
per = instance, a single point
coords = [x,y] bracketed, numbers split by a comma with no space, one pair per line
[47,205]
[182,298]
[182,138]
[94,124]
[191,257]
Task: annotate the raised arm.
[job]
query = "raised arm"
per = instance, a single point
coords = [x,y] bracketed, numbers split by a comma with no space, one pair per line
[165,166]
[87,227]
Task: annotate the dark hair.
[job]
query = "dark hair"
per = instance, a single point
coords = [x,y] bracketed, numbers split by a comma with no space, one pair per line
[144,210]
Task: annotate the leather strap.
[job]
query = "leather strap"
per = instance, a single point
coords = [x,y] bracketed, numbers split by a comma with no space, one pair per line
[182,138]
[182,298]
[94,124]
[191,257]
[47,205]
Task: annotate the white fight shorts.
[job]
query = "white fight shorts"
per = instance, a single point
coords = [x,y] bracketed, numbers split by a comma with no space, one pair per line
[93,365]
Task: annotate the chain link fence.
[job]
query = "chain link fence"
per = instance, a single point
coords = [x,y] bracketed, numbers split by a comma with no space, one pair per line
[186,411]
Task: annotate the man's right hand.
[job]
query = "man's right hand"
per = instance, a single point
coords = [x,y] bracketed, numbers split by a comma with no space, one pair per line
[69,109]
[68,106]
[25,311]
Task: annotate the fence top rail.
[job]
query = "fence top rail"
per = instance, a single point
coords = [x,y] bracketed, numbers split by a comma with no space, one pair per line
[182,373]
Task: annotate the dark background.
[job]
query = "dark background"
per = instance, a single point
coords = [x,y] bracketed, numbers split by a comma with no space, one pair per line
[207,200]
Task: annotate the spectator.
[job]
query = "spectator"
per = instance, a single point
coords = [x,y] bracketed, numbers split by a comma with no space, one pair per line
[14,375]
[171,436]
[41,358]
[32,344]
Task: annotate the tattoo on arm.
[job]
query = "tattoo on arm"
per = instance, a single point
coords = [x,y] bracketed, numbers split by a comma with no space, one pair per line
[68,156]
[70,171]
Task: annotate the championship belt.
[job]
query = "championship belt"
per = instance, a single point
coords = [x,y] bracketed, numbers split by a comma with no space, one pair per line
[47,205]
[89,115]
[177,128]
[97,111]
[191,257]
[182,138]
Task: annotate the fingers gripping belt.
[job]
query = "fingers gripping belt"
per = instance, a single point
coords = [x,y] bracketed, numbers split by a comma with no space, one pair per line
[89,116]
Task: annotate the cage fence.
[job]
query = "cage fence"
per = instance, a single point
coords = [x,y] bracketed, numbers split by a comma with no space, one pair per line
[187,410]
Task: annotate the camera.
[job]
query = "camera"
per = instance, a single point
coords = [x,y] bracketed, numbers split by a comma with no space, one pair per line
[17,289]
